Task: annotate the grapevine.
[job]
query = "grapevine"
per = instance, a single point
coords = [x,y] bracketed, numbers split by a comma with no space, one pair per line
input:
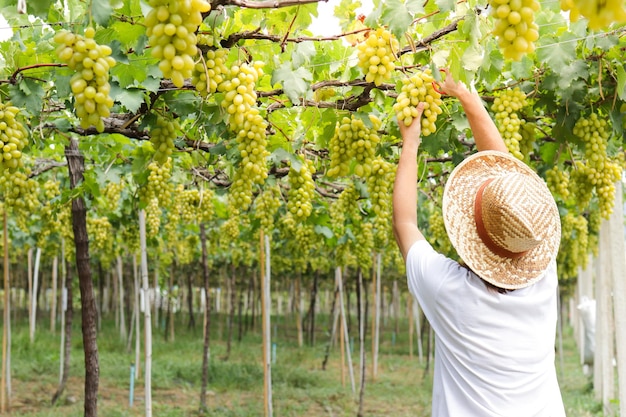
[515,26]
[171,27]
[90,82]
[418,88]
[13,137]
[377,55]
[506,107]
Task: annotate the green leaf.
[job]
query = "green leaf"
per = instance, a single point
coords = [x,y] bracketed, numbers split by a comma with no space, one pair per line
[130,98]
[398,17]
[556,52]
[620,72]
[295,83]
[28,94]
[101,11]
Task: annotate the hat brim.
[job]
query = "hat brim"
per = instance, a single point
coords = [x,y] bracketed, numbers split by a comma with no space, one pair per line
[458,213]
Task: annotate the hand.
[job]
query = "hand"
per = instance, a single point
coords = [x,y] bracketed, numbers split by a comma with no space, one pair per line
[451,87]
[413,132]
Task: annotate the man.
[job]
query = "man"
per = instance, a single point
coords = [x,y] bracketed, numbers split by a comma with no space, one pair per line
[495,316]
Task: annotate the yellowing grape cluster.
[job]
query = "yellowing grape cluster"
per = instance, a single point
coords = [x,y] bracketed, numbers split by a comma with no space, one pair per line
[377,55]
[90,83]
[557,180]
[112,193]
[158,186]
[171,27]
[100,234]
[19,193]
[239,92]
[266,206]
[353,141]
[418,88]
[602,173]
[600,13]
[344,208]
[301,190]
[573,251]
[515,26]
[506,107]
[13,138]
[210,72]
[379,185]
[162,136]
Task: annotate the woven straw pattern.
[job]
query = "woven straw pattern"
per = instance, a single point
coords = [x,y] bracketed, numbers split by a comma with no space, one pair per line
[518,212]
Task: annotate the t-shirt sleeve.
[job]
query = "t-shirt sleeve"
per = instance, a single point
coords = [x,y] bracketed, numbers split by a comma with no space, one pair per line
[427,271]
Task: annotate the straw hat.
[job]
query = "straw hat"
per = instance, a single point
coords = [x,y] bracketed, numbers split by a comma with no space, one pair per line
[501,219]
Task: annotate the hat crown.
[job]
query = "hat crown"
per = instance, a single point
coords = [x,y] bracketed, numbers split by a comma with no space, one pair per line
[513,209]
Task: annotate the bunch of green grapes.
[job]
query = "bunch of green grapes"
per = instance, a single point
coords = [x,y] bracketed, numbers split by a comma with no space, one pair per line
[437,235]
[187,203]
[162,137]
[364,244]
[128,238]
[602,173]
[20,195]
[377,55]
[112,193]
[205,205]
[515,26]
[527,141]
[13,137]
[594,222]
[153,217]
[50,221]
[379,186]
[171,30]
[557,180]
[344,209]
[601,13]
[90,83]
[158,186]
[229,230]
[210,72]
[301,190]
[100,234]
[266,206]
[239,92]
[301,244]
[573,251]
[418,88]
[580,188]
[252,144]
[353,141]
[506,106]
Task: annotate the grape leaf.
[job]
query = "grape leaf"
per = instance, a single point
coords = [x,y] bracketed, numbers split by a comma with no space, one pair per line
[101,11]
[130,98]
[398,17]
[28,94]
[295,82]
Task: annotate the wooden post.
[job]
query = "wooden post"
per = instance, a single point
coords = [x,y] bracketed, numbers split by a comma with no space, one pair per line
[344,326]
[618,268]
[376,322]
[147,316]
[264,252]
[6,347]
[53,298]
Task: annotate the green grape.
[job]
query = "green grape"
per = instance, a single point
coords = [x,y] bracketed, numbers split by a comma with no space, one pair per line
[437,235]
[506,106]
[353,141]
[418,88]
[153,217]
[580,188]
[112,193]
[344,209]
[515,26]
[13,137]
[206,209]
[162,137]
[364,245]
[301,190]
[600,13]
[171,30]
[573,251]
[377,55]
[90,82]
[266,206]
[100,233]
[527,140]
[210,72]
[557,180]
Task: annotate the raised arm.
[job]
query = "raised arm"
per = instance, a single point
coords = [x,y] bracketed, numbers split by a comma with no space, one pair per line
[485,132]
[405,187]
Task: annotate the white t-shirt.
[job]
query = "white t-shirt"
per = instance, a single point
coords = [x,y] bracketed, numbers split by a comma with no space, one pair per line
[494,353]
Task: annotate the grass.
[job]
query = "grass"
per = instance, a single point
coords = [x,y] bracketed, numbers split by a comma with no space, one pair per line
[299,385]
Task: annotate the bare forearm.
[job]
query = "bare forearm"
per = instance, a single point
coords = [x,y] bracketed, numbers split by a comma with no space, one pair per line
[485,132]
